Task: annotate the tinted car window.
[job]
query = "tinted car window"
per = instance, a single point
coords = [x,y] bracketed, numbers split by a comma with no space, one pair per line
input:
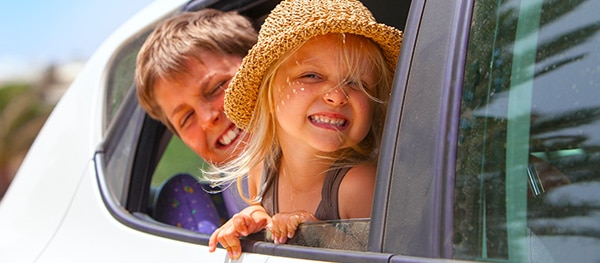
[528,168]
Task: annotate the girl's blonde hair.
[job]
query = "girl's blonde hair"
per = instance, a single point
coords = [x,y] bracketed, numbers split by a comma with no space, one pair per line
[357,53]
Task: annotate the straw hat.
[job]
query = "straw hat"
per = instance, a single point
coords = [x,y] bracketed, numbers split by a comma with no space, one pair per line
[291,23]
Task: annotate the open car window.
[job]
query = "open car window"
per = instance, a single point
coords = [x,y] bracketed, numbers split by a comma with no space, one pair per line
[338,234]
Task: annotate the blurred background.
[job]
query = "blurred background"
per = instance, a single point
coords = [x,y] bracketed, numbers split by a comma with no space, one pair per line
[43,45]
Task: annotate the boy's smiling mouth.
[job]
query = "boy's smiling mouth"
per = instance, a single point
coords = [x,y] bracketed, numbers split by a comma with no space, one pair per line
[328,122]
[231,135]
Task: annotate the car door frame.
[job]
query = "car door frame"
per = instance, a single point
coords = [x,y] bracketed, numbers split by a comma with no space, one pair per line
[421,135]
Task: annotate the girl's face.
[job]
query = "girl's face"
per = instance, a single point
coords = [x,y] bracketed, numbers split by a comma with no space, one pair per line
[317,97]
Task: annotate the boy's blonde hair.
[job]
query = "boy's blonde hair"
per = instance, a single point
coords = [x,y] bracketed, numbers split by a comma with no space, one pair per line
[179,39]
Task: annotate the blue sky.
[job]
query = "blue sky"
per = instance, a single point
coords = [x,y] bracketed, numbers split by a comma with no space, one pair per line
[42,31]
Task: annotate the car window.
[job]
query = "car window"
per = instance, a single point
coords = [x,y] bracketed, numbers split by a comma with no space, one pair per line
[121,76]
[336,234]
[139,156]
[528,160]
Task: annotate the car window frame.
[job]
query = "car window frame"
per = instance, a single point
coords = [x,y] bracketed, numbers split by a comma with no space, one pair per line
[423,169]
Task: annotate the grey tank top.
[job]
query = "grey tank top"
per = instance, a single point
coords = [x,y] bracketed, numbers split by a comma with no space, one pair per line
[328,207]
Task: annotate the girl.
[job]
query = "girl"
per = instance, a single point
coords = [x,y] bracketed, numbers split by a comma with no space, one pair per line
[312,92]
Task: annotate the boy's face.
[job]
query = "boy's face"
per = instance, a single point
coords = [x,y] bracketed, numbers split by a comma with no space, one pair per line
[193,104]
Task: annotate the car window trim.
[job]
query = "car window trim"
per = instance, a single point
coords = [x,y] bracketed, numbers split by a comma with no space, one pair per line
[390,134]
[446,33]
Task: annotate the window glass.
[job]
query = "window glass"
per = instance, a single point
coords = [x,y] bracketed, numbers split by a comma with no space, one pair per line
[118,155]
[528,167]
[121,76]
[346,234]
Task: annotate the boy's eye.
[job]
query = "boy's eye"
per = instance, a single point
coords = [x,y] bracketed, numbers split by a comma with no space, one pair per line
[216,90]
[185,119]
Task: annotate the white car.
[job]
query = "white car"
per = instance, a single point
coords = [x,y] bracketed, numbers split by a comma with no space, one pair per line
[491,150]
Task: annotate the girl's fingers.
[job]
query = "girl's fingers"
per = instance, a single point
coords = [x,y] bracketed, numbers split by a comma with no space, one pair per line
[231,242]
[212,241]
[240,223]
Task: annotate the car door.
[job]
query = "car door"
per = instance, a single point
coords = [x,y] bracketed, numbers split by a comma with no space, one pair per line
[136,159]
[467,130]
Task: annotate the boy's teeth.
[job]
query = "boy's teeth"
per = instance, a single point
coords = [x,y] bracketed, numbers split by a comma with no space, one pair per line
[229,136]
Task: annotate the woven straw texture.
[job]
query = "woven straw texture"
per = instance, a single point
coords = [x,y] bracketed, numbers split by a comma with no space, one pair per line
[291,23]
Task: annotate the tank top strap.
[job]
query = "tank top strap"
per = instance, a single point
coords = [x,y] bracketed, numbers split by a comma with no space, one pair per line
[268,191]
[328,207]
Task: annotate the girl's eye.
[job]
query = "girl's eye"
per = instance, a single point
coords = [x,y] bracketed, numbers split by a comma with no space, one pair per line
[352,84]
[310,76]
[356,84]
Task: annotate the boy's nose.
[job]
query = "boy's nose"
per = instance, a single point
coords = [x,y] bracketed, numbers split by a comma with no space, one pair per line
[207,114]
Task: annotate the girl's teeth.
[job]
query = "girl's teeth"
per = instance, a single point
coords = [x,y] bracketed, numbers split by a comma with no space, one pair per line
[327,120]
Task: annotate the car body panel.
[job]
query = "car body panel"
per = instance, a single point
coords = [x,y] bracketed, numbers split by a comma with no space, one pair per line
[75,127]
[84,191]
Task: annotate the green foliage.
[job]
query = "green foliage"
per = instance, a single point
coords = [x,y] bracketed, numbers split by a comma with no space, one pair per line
[178,158]
[9,91]
[22,114]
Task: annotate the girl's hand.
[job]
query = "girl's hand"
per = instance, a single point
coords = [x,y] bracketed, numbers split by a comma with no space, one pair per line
[285,224]
[250,220]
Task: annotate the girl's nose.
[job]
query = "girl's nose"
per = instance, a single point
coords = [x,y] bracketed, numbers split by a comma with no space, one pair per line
[336,96]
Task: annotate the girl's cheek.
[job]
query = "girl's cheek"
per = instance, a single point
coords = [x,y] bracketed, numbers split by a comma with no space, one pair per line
[287,95]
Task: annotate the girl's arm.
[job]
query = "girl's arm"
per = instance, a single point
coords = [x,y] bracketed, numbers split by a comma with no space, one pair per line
[355,196]
[250,220]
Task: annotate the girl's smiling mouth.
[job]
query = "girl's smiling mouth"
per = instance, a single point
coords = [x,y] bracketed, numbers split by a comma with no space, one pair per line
[328,122]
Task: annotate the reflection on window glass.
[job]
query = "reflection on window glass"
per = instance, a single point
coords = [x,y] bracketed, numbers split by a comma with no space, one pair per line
[346,234]
[528,169]
[121,77]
